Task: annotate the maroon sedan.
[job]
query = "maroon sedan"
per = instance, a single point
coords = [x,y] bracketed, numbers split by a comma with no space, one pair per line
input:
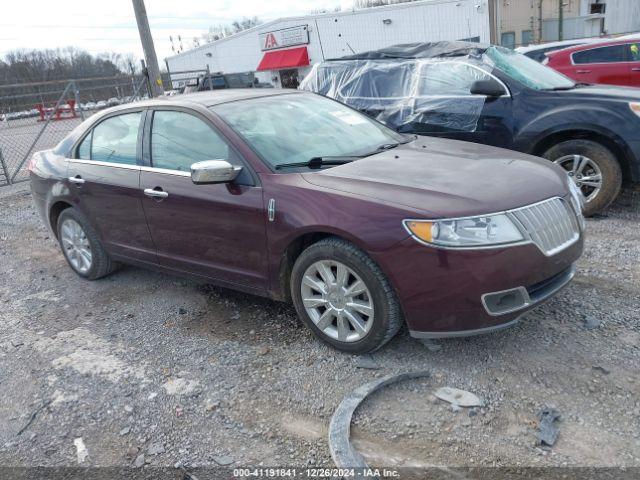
[297,197]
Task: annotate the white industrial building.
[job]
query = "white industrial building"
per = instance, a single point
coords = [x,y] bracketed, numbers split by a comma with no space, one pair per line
[282,51]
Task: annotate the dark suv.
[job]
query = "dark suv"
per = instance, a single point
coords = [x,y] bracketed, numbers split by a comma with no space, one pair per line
[492,95]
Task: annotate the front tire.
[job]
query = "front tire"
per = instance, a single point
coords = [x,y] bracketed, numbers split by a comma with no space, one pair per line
[81,246]
[344,298]
[594,169]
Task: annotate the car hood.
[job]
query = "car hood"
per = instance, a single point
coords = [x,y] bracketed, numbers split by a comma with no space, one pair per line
[446,178]
[603,92]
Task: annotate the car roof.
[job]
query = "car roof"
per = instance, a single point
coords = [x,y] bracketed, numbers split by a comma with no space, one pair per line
[212,97]
[558,45]
[589,46]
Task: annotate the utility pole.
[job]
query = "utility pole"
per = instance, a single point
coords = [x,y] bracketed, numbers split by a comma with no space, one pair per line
[149,51]
[540,21]
[560,19]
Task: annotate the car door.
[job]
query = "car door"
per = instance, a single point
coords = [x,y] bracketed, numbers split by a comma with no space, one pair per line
[104,179]
[215,230]
[608,65]
[445,107]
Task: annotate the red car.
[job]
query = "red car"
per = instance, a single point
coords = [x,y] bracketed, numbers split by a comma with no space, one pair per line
[297,197]
[613,63]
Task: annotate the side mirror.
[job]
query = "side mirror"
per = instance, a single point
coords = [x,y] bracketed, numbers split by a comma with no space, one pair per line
[213,171]
[489,88]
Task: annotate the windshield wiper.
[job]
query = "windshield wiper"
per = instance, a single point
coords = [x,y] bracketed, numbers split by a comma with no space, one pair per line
[318,162]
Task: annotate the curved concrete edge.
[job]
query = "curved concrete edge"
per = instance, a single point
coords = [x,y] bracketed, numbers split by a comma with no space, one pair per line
[342,452]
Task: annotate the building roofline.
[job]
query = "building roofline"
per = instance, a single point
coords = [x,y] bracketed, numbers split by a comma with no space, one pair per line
[312,17]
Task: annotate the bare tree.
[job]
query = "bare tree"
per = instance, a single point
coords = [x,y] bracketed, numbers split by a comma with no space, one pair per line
[216,32]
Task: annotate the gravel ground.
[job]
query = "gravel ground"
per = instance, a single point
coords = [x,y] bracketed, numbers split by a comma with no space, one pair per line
[150,369]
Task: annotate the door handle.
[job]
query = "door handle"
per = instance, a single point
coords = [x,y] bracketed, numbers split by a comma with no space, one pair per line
[153,193]
[635,69]
[583,71]
[78,180]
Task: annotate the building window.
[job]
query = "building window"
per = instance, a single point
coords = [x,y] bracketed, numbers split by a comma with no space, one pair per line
[596,8]
[527,37]
[508,39]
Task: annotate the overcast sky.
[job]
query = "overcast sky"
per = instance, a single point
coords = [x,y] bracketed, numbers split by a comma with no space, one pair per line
[109,25]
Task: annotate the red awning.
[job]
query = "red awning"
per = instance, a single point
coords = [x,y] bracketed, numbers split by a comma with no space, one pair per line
[291,58]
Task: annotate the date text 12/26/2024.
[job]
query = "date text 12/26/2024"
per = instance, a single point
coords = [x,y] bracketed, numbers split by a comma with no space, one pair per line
[316,473]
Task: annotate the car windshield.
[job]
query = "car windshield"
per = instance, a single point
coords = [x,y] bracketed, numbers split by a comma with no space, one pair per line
[527,71]
[286,129]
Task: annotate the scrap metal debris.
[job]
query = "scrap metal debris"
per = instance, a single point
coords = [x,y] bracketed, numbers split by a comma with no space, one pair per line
[366,362]
[591,322]
[81,449]
[431,345]
[547,430]
[342,452]
[460,398]
[33,416]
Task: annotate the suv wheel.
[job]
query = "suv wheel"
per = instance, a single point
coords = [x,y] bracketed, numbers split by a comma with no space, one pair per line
[344,297]
[81,246]
[593,168]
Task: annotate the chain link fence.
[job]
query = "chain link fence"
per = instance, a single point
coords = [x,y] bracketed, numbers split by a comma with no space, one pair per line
[36,116]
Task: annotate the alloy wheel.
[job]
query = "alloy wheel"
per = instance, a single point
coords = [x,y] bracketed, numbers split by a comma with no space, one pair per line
[584,172]
[76,245]
[337,300]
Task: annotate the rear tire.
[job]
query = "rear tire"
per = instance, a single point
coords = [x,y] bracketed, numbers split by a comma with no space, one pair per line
[358,311]
[603,160]
[81,246]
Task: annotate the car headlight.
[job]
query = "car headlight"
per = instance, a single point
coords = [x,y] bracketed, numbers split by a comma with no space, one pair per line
[635,107]
[468,232]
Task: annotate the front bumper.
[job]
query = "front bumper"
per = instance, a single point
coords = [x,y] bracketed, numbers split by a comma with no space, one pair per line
[442,291]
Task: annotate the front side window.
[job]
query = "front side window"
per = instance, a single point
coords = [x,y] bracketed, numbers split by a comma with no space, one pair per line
[298,127]
[448,79]
[612,54]
[179,139]
[114,140]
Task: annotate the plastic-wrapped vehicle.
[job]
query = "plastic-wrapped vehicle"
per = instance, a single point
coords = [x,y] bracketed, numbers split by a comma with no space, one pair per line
[492,95]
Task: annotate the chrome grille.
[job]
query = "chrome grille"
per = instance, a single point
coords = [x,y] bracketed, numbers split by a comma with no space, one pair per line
[552,224]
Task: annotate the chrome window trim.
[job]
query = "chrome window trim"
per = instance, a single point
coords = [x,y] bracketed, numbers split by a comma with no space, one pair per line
[509,213]
[166,171]
[98,163]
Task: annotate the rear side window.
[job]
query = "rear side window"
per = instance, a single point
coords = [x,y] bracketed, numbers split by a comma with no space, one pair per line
[381,80]
[179,139]
[611,54]
[114,140]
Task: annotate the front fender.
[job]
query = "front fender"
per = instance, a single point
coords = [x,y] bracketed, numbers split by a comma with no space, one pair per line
[597,120]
